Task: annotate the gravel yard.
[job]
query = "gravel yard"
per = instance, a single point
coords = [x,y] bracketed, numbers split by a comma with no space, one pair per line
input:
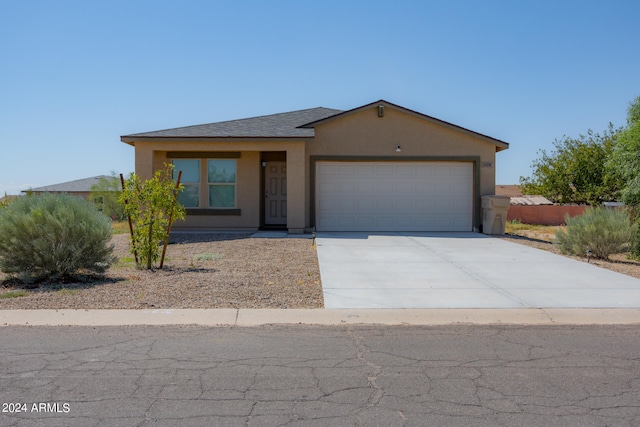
[207,270]
[212,270]
[618,262]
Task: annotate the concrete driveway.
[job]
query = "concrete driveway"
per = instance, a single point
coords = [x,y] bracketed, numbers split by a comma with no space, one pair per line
[460,270]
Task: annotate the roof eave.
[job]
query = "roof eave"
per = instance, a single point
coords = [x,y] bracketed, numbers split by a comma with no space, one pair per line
[131,139]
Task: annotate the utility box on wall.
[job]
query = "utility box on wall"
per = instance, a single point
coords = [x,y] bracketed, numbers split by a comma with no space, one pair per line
[494,214]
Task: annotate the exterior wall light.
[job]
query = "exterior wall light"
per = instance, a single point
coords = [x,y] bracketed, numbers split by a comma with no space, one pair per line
[398,148]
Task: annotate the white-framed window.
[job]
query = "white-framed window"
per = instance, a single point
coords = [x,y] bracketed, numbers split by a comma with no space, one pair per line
[217,177]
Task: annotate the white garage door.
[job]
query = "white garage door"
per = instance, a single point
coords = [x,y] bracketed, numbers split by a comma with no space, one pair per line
[394,196]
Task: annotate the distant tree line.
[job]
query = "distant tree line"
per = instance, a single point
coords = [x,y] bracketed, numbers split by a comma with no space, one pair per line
[592,168]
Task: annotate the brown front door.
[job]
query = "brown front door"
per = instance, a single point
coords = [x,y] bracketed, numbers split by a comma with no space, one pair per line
[275,188]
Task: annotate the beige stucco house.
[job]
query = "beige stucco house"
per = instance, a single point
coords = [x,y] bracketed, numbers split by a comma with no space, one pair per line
[379,167]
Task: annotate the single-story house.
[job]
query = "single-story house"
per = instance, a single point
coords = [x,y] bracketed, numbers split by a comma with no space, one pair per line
[78,187]
[378,167]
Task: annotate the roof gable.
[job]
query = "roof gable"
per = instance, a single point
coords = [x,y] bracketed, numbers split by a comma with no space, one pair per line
[500,145]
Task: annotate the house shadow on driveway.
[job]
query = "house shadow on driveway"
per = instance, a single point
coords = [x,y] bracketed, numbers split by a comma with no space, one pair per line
[460,270]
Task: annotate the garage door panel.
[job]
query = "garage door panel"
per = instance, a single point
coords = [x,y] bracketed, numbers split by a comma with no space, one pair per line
[394,196]
[384,169]
[405,187]
[364,206]
[363,186]
[385,187]
[462,205]
[365,169]
[441,223]
[422,205]
[442,207]
[405,205]
[444,170]
[345,205]
[345,223]
[405,170]
[345,169]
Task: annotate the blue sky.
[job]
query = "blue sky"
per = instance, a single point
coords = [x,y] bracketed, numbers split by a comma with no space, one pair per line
[75,75]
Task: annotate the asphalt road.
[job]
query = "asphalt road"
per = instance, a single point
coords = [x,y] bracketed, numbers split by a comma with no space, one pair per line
[320,375]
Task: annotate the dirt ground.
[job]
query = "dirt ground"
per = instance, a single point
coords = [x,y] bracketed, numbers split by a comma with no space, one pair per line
[219,271]
[542,239]
[201,271]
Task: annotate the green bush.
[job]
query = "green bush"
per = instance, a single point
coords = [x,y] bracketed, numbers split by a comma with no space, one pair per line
[53,236]
[635,244]
[601,231]
[635,239]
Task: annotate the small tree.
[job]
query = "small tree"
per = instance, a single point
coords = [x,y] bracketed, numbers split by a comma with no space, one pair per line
[625,163]
[105,195]
[626,156]
[602,231]
[53,236]
[151,205]
[576,172]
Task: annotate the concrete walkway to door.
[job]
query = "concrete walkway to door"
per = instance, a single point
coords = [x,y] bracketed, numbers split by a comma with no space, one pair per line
[460,270]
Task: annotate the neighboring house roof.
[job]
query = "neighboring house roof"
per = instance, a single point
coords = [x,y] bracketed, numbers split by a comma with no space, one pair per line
[500,145]
[530,200]
[517,198]
[282,125]
[77,186]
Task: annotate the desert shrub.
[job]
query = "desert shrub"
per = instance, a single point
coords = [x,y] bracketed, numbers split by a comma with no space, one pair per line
[634,212]
[600,230]
[53,236]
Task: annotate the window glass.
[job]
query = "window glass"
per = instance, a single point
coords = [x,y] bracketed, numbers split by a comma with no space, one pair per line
[222,196]
[221,175]
[221,171]
[190,170]
[189,197]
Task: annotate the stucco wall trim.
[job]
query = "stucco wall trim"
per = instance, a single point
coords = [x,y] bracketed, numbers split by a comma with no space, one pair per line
[477,214]
[232,212]
[203,154]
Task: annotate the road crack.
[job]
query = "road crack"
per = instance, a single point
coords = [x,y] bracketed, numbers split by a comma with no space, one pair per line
[375,370]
